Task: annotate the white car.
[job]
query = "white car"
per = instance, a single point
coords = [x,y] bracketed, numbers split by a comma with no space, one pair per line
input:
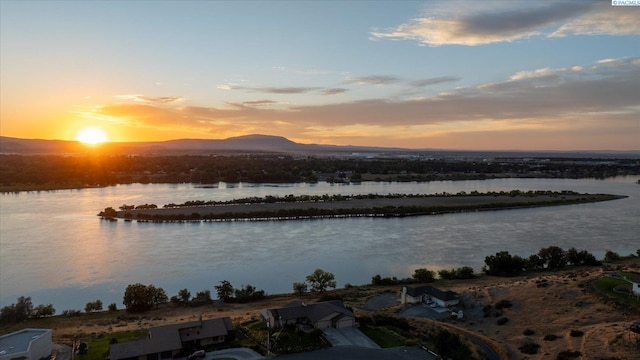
[197,354]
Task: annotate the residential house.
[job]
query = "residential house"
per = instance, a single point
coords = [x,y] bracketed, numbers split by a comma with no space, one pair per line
[635,285]
[165,342]
[413,295]
[322,315]
[26,344]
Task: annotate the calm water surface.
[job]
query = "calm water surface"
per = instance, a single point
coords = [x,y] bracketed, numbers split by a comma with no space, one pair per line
[54,249]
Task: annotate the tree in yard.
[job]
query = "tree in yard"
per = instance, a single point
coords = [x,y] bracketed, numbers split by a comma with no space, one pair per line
[224,290]
[184,296]
[44,311]
[202,298]
[611,256]
[138,297]
[553,257]
[503,264]
[17,312]
[93,306]
[300,288]
[159,296]
[321,280]
[423,275]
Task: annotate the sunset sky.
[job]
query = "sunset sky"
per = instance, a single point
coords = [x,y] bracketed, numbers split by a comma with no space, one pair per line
[522,75]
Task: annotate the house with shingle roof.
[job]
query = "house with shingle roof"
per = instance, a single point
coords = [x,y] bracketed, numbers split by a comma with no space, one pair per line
[167,341]
[322,315]
[413,295]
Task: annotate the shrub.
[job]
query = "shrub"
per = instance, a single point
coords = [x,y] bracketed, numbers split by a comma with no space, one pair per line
[503,304]
[576,333]
[503,320]
[550,337]
[529,348]
[568,355]
[528,332]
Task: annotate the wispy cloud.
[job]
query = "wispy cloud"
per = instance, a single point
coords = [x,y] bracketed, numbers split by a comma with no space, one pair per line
[373,80]
[271,90]
[433,81]
[148,99]
[260,102]
[334,91]
[483,22]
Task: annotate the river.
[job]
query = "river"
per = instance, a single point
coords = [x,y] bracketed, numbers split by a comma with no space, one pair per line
[55,249]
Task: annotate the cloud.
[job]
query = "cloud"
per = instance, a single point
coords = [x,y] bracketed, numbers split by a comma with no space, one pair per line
[596,100]
[147,99]
[373,80]
[334,91]
[483,22]
[271,90]
[260,102]
[433,81]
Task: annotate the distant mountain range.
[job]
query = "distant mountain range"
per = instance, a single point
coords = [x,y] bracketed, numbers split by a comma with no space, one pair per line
[262,144]
[240,144]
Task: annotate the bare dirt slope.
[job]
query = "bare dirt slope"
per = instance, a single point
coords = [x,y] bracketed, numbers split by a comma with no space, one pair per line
[554,304]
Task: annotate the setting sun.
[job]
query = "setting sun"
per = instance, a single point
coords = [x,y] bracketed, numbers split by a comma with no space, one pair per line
[92,136]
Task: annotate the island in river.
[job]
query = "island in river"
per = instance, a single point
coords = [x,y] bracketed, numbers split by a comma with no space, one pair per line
[372,205]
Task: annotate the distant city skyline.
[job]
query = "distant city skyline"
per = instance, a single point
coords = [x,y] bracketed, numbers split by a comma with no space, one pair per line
[468,75]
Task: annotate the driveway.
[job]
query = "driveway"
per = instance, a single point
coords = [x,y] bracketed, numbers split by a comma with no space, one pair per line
[237,353]
[349,337]
[425,311]
[380,301]
[357,353]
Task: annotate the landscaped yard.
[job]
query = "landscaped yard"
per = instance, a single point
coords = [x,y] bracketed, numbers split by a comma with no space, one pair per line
[98,347]
[606,284]
[383,336]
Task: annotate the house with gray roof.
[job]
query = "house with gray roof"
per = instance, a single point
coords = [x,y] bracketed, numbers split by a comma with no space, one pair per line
[322,315]
[413,295]
[26,344]
[165,342]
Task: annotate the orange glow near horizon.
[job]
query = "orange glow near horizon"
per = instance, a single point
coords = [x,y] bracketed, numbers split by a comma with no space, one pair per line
[92,136]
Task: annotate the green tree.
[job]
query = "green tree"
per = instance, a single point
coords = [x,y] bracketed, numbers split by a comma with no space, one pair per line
[611,256]
[138,297]
[202,298]
[503,264]
[321,280]
[44,311]
[113,307]
[159,297]
[423,275]
[184,296]
[93,306]
[553,257]
[224,290]
[300,288]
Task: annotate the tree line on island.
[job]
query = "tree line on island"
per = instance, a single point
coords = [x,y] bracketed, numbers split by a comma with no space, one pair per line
[140,298]
[528,200]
